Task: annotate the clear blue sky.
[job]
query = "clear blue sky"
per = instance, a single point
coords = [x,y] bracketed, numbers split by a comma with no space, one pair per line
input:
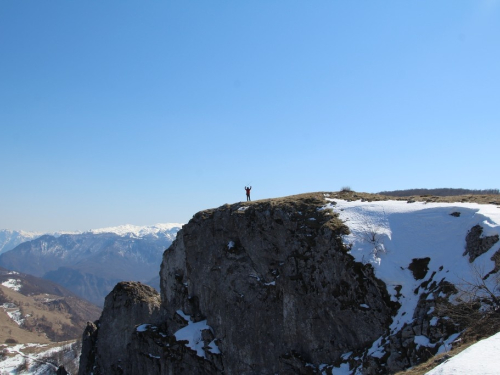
[144,112]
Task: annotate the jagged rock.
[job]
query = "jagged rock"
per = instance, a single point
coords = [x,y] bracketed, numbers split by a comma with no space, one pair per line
[419,267]
[477,245]
[128,304]
[89,340]
[272,278]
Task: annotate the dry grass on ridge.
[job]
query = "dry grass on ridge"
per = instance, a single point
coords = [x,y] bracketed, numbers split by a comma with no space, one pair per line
[353,196]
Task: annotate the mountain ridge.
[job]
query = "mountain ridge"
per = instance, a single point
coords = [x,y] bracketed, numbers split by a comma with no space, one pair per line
[92,262]
[9,238]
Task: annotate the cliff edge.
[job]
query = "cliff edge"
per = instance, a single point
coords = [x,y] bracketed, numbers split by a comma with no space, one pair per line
[266,287]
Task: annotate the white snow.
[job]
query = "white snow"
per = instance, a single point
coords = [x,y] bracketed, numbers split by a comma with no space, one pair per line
[14,284]
[423,341]
[447,345]
[142,327]
[36,364]
[481,358]
[213,347]
[139,231]
[13,312]
[192,334]
[390,234]
[342,370]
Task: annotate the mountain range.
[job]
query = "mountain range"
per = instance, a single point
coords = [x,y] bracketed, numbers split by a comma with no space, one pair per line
[90,263]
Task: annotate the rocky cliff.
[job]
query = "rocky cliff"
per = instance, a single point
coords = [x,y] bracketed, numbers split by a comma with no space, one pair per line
[266,287]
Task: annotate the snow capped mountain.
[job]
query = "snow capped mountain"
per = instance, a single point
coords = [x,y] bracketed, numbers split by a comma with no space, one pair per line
[141,231]
[9,239]
[91,263]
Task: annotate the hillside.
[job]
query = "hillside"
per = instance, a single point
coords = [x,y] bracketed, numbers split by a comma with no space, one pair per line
[37,318]
[40,311]
[320,283]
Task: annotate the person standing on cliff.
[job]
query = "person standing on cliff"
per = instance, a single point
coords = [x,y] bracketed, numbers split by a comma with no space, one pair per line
[247,189]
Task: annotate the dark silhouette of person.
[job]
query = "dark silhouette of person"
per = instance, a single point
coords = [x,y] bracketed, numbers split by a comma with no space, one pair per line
[247,189]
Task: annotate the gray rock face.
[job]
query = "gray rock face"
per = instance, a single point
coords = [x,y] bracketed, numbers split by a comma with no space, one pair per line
[104,349]
[266,287]
[477,245]
[273,279]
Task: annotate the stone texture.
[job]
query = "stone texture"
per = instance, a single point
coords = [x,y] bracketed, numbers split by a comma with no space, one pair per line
[477,245]
[128,305]
[273,279]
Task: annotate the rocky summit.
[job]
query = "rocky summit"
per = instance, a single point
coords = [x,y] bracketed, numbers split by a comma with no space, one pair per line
[273,287]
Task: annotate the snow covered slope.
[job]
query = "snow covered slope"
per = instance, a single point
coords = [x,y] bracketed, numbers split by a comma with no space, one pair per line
[391,235]
[481,358]
[9,239]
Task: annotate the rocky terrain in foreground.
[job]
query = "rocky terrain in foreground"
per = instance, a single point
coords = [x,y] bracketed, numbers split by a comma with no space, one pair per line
[286,286]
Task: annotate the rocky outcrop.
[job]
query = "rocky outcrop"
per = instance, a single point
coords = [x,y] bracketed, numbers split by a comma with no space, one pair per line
[476,244]
[105,344]
[266,287]
[274,281]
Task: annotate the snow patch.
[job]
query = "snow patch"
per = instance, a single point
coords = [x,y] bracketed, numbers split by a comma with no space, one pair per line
[390,234]
[479,359]
[14,284]
[140,231]
[192,333]
[143,327]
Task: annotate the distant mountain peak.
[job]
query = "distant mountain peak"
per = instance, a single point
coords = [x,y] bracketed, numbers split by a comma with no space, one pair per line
[9,238]
[138,231]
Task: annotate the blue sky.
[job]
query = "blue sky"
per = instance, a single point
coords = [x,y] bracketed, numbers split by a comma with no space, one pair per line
[144,112]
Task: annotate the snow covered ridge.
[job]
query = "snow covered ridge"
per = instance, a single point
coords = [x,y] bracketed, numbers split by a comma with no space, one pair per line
[38,359]
[390,235]
[479,359]
[9,239]
[140,231]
